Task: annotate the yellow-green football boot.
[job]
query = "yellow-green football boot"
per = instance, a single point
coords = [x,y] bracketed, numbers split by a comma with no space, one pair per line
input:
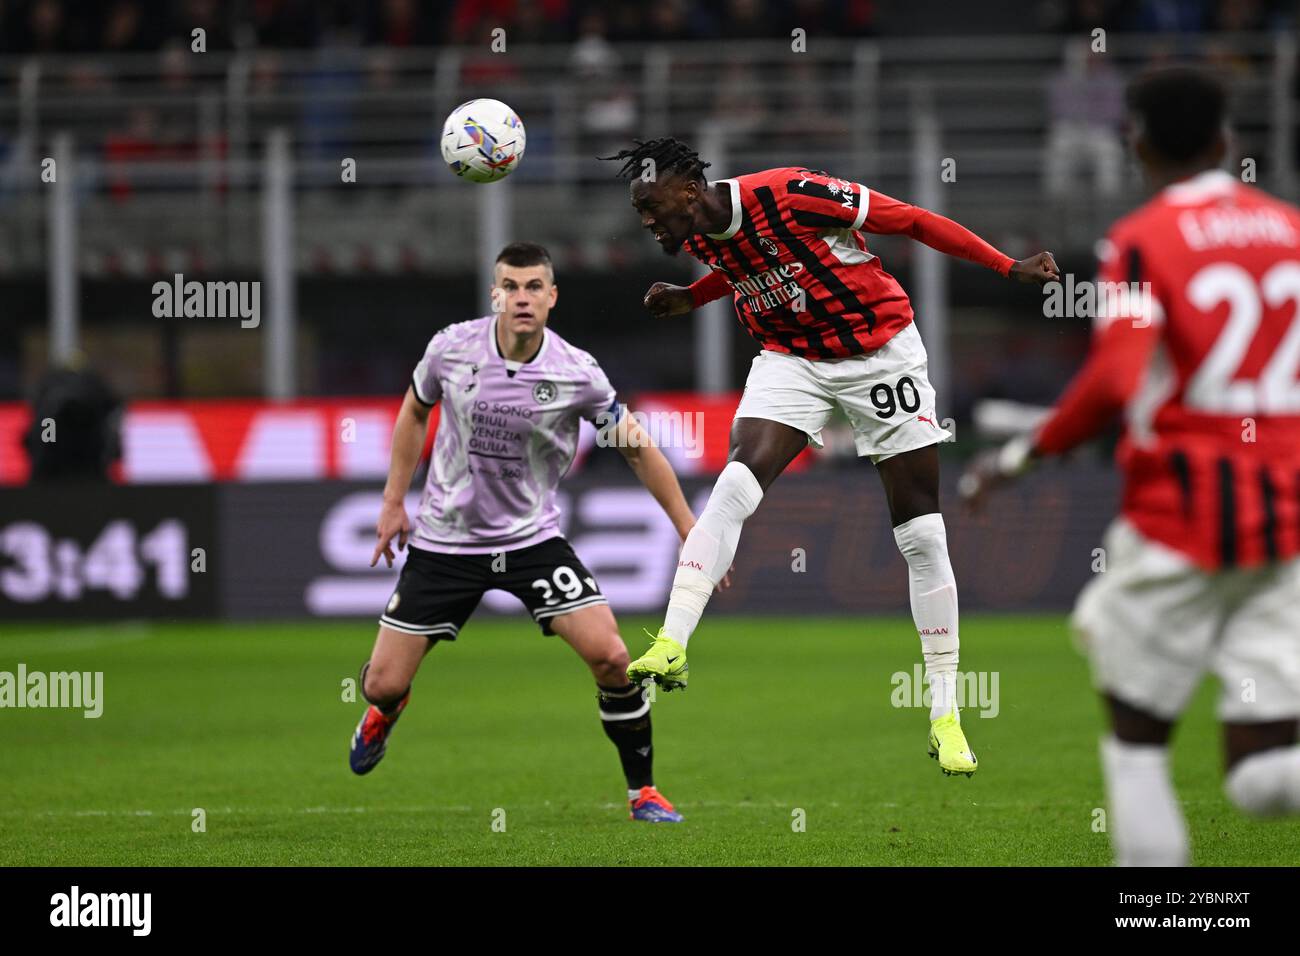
[948,746]
[665,662]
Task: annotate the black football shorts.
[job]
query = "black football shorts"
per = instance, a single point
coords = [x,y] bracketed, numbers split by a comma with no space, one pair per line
[436,593]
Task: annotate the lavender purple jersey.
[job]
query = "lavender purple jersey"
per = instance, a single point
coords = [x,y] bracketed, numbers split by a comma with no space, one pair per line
[504,440]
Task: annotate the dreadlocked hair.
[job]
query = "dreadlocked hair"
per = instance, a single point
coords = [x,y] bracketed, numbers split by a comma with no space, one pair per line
[669,156]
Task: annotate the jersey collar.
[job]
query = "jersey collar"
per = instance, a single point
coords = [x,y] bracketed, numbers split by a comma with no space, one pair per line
[495,347]
[1197,189]
[736,211]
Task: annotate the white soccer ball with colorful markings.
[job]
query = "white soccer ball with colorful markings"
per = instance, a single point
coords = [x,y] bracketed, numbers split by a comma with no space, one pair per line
[483,141]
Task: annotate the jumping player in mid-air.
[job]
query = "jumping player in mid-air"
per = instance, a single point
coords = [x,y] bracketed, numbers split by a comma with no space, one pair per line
[1199,348]
[512,394]
[836,330]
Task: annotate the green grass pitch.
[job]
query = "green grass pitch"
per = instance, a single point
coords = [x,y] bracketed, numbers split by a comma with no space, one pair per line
[247,723]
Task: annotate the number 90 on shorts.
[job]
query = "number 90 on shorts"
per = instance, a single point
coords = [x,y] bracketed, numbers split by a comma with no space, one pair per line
[886,396]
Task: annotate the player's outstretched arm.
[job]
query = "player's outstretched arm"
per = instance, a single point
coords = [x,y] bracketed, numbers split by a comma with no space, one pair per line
[408,441]
[889,216]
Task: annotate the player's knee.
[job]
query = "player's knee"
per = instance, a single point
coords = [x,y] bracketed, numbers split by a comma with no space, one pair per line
[736,494]
[1266,784]
[922,535]
[923,541]
[382,684]
[610,666]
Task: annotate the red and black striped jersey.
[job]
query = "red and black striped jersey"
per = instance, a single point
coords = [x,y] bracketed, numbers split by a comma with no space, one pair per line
[795,258]
[1203,357]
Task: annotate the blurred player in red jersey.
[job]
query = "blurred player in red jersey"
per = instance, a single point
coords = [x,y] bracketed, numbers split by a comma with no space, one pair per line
[836,330]
[1202,573]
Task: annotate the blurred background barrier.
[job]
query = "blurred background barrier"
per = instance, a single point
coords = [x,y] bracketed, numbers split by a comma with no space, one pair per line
[286,152]
[319,439]
[821,544]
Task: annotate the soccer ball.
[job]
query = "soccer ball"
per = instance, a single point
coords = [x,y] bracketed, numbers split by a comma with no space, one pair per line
[483,141]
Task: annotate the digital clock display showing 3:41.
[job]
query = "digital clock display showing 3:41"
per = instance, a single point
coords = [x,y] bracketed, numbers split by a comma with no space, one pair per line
[108,551]
[120,560]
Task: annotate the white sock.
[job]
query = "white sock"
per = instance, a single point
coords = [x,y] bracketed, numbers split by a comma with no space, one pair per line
[709,549]
[1268,783]
[933,593]
[1146,823]
[633,794]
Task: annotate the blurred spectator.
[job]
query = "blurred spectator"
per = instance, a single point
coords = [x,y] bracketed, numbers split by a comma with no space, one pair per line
[804,118]
[626,20]
[46,30]
[85,418]
[1237,16]
[1171,16]
[668,21]
[607,102]
[1086,110]
[748,20]
[175,67]
[1080,17]
[136,142]
[399,23]
[126,29]
[525,21]
[206,15]
[284,24]
[592,52]
[739,109]
[830,18]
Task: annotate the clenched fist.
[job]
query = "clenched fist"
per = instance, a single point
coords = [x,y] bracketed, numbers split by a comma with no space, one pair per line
[664,300]
[1040,268]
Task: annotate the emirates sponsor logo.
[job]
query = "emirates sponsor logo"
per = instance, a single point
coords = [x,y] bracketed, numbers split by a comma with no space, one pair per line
[691,564]
[770,279]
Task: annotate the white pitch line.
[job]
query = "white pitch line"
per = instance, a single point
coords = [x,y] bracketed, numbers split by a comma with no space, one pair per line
[549,805]
[454,808]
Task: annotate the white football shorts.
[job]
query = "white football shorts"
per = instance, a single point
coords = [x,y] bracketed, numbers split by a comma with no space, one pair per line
[1153,623]
[886,395]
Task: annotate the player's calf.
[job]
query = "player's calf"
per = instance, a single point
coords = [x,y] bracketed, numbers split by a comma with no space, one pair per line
[1264,768]
[932,589]
[1146,823]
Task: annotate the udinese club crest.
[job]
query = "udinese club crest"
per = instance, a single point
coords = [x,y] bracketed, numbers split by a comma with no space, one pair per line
[544,393]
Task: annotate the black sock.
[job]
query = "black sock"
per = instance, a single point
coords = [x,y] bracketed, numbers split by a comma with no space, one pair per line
[630,734]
